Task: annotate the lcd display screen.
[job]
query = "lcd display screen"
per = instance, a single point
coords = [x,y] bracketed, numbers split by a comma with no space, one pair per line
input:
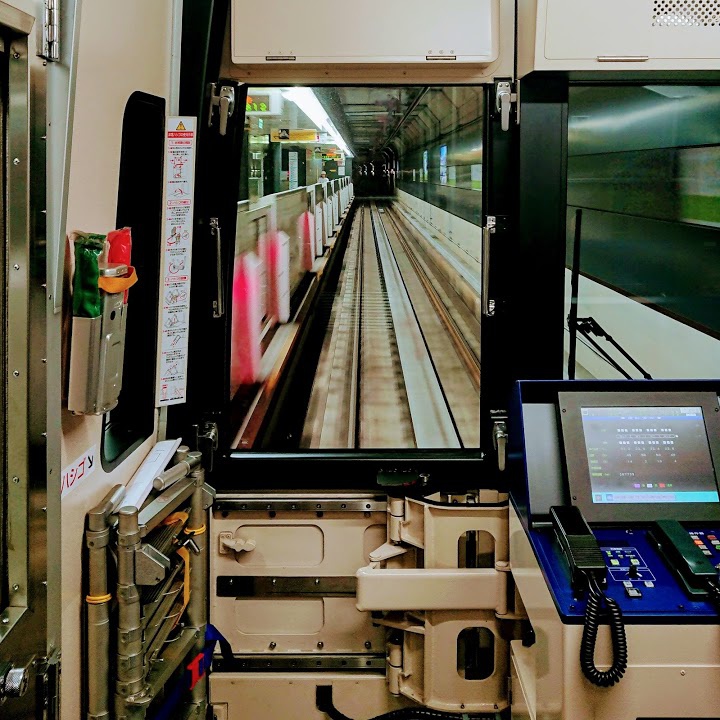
[639,455]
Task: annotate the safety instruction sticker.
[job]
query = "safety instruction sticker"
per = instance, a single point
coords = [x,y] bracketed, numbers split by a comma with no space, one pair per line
[180,136]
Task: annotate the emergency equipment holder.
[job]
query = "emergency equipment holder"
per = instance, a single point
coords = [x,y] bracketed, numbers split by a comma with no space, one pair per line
[159,613]
[98,348]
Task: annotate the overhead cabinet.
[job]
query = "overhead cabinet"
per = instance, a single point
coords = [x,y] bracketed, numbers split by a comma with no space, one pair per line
[618,34]
[386,31]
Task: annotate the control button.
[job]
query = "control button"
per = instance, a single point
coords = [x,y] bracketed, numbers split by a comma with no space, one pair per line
[627,583]
[703,546]
[615,562]
[633,592]
[633,572]
[649,583]
[697,541]
[706,552]
[634,561]
[711,537]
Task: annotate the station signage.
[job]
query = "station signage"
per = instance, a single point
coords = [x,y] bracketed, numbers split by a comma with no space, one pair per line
[289,135]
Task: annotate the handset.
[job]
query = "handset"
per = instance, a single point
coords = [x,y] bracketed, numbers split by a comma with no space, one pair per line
[580,547]
[691,567]
[589,572]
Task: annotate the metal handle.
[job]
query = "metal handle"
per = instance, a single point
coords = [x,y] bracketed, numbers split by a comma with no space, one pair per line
[623,58]
[488,306]
[219,303]
[224,101]
[500,438]
[504,98]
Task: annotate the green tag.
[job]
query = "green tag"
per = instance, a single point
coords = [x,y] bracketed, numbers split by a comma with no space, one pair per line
[86,293]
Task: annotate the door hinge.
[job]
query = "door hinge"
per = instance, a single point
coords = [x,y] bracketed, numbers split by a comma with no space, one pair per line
[48,670]
[51,31]
[219,302]
[505,98]
[222,98]
[488,305]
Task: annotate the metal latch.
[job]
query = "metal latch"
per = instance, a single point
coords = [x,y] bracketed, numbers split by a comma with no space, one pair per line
[500,438]
[208,440]
[51,31]
[504,98]
[224,101]
[237,545]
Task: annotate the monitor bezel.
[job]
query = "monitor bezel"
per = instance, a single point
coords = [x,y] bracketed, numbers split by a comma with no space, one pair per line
[576,460]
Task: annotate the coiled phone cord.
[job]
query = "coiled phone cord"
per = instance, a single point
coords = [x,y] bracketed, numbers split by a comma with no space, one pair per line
[714,590]
[602,678]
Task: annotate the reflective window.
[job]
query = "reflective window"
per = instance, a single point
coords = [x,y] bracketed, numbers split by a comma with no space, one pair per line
[644,170]
[139,208]
[357,325]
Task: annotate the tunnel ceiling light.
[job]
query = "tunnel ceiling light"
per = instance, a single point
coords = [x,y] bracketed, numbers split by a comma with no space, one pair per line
[308,103]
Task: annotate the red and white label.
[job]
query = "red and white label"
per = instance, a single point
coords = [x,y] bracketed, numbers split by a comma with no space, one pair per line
[76,473]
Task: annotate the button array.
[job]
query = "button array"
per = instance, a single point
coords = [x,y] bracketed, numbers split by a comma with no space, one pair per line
[708,543]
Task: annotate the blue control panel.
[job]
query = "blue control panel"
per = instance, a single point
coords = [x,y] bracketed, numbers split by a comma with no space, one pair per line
[638,577]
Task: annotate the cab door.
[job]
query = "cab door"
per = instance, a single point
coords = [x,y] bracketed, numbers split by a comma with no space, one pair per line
[29,511]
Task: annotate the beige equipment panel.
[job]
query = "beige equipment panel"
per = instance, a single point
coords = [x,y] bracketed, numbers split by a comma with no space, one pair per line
[618,35]
[384,32]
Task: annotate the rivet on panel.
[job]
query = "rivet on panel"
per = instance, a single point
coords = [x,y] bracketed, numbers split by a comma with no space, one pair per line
[16,266]
[16,479]
[321,645]
[16,161]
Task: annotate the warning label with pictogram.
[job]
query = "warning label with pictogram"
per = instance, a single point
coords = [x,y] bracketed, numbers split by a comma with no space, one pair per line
[178,207]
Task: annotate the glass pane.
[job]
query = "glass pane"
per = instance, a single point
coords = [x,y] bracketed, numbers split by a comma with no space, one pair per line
[644,172]
[358,328]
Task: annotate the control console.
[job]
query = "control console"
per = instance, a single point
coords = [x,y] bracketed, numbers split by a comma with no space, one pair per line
[631,469]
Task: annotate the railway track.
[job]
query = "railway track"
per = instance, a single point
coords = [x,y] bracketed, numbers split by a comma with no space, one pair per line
[398,368]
